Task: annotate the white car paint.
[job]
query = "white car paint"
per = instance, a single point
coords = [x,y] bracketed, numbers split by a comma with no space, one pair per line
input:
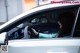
[44,46]
[2,37]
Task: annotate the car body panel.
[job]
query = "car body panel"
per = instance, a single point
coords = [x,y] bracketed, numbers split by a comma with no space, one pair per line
[54,45]
[44,46]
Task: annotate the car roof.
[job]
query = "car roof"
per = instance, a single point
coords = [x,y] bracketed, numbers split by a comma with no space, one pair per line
[43,7]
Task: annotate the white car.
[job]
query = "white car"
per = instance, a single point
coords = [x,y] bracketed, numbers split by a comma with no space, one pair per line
[63,21]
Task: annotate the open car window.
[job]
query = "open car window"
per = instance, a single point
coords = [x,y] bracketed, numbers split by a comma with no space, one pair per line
[56,23]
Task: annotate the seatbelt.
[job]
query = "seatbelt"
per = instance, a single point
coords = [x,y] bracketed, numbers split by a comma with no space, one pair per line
[73,29]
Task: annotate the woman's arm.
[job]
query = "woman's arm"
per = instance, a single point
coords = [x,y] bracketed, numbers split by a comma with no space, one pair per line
[41,35]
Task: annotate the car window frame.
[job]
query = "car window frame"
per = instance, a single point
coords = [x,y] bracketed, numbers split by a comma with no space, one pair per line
[76,21]
[25,16]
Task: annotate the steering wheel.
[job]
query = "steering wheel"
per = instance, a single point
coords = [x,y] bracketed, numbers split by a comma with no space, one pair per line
[31,33]
[42,28]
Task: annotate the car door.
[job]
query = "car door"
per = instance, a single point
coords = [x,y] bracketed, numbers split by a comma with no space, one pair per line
[20,41]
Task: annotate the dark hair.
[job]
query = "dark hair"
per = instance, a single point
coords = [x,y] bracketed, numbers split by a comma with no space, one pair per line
[67,20]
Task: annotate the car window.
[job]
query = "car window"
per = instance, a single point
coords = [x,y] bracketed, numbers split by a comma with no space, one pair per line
[47,24]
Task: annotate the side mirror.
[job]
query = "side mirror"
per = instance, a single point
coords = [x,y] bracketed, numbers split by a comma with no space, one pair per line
[3,38]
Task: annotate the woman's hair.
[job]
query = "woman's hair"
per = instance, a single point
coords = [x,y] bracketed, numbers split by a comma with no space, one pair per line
[67,20]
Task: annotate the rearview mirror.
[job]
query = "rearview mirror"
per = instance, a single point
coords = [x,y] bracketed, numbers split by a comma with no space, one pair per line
[3,39]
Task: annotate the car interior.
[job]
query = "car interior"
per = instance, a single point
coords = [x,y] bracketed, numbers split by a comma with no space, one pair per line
[48,22]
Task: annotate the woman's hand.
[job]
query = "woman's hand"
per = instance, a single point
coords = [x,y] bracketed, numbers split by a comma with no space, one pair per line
[35,32]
